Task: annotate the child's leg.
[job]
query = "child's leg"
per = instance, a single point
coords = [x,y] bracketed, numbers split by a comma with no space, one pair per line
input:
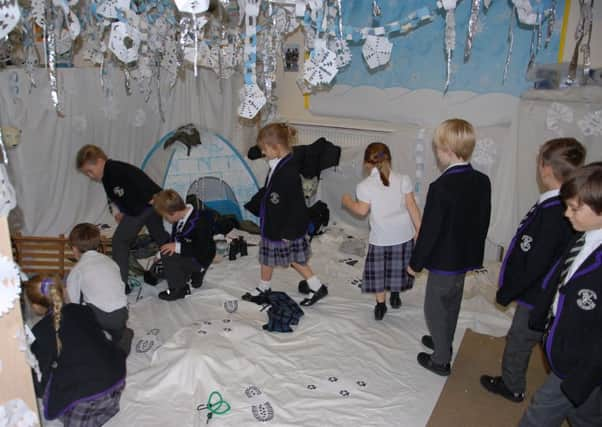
[125,233]
[308,274]
[266,273]
[519,345]
[454,301]
[549,406]
[381,297]
[154,224]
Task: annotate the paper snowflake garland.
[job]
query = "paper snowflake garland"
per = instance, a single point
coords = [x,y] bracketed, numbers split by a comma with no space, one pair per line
[377,51]
[591,124]
[124,42]
[340,48]
[10,284]
[252,100]
[321,67]
[16,413]
[111,8]
[9,16]
[557,114]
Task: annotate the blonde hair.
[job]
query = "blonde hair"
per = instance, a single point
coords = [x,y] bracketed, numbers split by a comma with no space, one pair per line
[49,293]
[85,237]
[89,154]
[277,134]
[378,155]
[168,202]
[456,135]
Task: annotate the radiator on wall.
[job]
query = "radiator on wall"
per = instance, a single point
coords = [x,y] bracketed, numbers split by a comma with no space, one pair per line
[341,136]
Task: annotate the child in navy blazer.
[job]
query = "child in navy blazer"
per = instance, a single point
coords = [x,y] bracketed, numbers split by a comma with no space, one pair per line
[451,240]
[540,239]
[570,312]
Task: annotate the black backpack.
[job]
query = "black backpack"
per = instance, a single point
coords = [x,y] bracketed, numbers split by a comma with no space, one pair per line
[319,215]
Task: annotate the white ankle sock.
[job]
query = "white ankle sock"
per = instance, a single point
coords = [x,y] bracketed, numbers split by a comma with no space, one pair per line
[263,286]
[314,283]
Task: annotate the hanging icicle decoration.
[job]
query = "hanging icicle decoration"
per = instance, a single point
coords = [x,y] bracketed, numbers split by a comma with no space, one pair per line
[579,35]
[126,80]
[510,44]
[340,10]
[158,77]
[376,11]
[450,43]
[472,27]
[588,16]
[551,18]
[51,58]
[533,49]
[539,32]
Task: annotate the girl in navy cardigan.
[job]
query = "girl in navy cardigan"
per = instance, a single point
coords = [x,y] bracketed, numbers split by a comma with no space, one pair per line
[83,373]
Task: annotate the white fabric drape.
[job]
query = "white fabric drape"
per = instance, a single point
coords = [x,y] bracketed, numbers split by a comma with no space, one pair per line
[52,195]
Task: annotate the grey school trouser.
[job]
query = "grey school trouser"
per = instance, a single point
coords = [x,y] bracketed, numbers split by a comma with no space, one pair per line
[441,308]
[126,233]
[550,407]
[520,341]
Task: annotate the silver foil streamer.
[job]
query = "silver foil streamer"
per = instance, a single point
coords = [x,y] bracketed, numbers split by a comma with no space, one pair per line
[450,43]
[587,27]
[510,44]
[340,8]
[539,32]
[158,77]
[127,81]
[472,27]
[551,14]
[376,9]
[579,35]
[533,48]
[196,48]
[51,59]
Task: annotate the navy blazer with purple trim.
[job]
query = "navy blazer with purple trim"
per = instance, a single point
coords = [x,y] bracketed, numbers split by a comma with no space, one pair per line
[574,342]
[196,238]
[455,222]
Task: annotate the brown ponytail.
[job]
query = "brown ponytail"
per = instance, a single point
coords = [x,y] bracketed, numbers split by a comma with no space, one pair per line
[278,134]
[48,292]
[378,155]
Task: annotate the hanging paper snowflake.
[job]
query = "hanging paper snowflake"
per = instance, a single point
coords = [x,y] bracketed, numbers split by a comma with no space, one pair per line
[112,8]
[252,100]
[556,114]
[10,284]
[485,152]
[377,51]
[321,67]
[124,42]
[340,48]
[591,124]
[192,6]
[303,86]
[10,14]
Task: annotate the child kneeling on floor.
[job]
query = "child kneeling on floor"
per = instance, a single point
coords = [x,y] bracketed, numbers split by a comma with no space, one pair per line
[83,373]
[95,280]
[394,220]
[191,249]
[284,218]
[570,312]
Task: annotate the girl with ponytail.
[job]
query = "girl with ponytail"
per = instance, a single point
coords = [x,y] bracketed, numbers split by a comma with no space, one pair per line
[83,373]
[394,221]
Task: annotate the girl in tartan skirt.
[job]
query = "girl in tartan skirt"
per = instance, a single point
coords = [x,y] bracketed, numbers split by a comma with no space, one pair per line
[394,221]
[83,373]
[283,217]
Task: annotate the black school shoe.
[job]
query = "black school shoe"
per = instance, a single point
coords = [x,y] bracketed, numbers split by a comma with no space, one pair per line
[260,299]
[196,278]
[172,295]
[496,385]
[395,300]
[427,341]
[304,287]
[424,359]
[315,296]
[379,310]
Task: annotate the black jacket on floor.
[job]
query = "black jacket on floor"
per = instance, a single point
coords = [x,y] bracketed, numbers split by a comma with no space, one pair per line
[537,244]
[196,238]
[281,205]
[128,187]
[89,363]
[574,342]
[455,222]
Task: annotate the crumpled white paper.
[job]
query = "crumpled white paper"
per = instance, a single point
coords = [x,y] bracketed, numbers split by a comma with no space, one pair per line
[525,12]
[377,51]
[10,284]
[16,413]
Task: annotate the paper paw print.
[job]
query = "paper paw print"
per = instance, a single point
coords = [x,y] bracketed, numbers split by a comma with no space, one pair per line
[357,283]
[311,387]
[361,383]
[333,379]
[227,329]
[263,412]
[252,391]
[344,393]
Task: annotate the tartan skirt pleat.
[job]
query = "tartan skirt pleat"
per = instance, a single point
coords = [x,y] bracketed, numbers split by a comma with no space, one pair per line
[93,413]
[284,252]
[386,268]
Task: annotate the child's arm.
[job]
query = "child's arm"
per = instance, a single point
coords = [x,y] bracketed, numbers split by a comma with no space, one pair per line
[413,210]
[357,207]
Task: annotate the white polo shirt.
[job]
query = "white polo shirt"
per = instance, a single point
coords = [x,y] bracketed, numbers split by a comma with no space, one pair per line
[390,222]
[97,278]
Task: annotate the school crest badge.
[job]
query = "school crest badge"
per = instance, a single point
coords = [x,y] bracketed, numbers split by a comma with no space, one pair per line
[525,243]
[118,191]
[587,299]
[274,198]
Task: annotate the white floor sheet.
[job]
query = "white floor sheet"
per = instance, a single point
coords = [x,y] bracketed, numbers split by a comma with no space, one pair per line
[339,368]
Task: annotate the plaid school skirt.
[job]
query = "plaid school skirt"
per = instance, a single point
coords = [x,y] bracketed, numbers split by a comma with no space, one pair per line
[385,268]
[284,252]
[93,413]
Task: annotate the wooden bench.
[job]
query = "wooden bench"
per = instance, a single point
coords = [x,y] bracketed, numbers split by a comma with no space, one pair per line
[47,255]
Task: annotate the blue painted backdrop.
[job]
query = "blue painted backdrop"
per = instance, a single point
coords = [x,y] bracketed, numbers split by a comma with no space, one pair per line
[418,60]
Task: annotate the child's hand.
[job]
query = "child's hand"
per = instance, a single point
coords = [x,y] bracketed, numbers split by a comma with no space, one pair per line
[410,271]
[347,199]
[118,217]
[168,249]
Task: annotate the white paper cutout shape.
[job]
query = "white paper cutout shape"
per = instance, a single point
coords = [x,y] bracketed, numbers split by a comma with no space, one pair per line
[10,283]
[25,338]
[252,100]
[124,42]
[37,11]
[485,152]
[556,114]
[192,6]
[591,124]
[340,48]
[321,67]
[8,197]
[109,8]
[16,413]
[377,51]
[9,16]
